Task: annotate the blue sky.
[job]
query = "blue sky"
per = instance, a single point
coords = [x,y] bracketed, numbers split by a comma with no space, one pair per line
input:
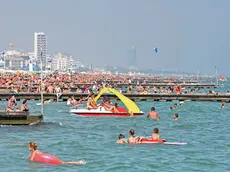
[190,35]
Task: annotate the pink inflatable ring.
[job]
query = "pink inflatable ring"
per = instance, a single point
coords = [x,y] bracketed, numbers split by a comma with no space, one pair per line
[47,159]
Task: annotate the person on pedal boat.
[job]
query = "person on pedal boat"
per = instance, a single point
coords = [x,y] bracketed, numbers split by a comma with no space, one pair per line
[91,104]
[108,106]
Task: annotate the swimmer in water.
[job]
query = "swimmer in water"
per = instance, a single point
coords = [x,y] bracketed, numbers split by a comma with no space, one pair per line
[176,116]
[132,138]
[121,139]
[174,106]
[46,101]
[181,104]
[33,148]
[222,105]
[155,135]
[153,114]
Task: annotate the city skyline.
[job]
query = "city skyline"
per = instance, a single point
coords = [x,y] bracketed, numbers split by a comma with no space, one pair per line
[102,32]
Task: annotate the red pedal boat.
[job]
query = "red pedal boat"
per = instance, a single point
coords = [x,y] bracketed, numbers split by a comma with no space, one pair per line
[132,109]
[102,112]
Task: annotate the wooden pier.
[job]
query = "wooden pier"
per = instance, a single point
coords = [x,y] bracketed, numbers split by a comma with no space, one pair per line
[160,85]
[136,97]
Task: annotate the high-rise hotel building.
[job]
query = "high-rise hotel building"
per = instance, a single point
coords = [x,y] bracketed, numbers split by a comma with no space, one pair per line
[40,48]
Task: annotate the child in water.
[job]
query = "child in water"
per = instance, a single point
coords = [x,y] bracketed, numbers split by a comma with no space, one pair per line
[155,135]
[121,139]
[33,148]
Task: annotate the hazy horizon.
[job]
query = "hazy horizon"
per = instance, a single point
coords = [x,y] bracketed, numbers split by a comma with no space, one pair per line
[190,35]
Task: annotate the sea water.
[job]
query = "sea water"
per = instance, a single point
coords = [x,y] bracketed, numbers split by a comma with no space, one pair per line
[203,125]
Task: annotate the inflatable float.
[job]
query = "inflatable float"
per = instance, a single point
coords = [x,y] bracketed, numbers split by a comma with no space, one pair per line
[149,140]
[161,141]
[45,158]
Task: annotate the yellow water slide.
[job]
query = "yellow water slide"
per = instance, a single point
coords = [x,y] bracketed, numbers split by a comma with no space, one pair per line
[129,104]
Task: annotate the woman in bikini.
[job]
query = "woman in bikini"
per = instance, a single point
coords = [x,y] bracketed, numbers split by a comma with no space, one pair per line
[11,104]
[24,107]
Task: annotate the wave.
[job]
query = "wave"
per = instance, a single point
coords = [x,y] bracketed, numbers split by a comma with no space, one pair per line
[50,123]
